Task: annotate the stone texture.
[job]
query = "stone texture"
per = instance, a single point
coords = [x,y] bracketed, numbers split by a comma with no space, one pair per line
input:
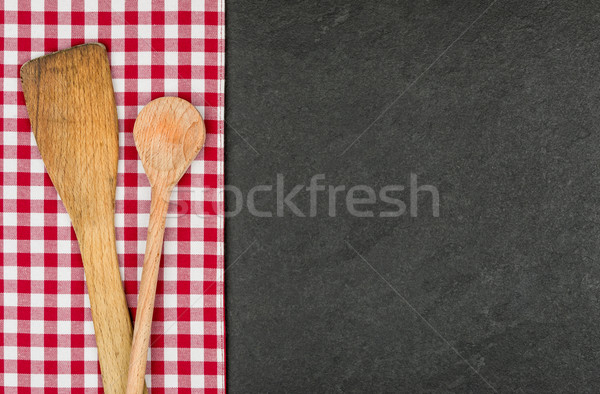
[498,293]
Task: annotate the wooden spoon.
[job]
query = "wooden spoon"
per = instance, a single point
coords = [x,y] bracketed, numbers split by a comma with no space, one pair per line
[169,133]
[71,105]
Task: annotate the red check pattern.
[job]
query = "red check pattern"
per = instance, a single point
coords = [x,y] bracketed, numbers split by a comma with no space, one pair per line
[47,338]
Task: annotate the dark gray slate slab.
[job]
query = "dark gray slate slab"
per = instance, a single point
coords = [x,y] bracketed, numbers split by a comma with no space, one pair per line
[499,111]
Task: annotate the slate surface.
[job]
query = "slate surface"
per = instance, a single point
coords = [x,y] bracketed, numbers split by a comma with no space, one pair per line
[496,107]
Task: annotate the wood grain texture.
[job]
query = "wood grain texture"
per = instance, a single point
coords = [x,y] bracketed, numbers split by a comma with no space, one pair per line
[71,105]
[169,133]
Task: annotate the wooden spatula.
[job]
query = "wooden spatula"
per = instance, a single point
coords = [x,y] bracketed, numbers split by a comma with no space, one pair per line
[71,105]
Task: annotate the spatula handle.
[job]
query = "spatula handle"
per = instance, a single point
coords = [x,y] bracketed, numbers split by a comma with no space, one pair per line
[147,292]
[112,322]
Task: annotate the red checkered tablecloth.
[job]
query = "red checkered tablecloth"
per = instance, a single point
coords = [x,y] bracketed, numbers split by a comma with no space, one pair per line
[170,48]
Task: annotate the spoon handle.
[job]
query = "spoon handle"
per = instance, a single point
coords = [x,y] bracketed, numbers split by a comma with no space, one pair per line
[147,292]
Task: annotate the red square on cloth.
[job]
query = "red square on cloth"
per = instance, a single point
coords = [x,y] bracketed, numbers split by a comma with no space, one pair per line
[47,341]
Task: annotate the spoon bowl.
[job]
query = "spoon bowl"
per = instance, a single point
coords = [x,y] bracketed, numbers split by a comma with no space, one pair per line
[169,133]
